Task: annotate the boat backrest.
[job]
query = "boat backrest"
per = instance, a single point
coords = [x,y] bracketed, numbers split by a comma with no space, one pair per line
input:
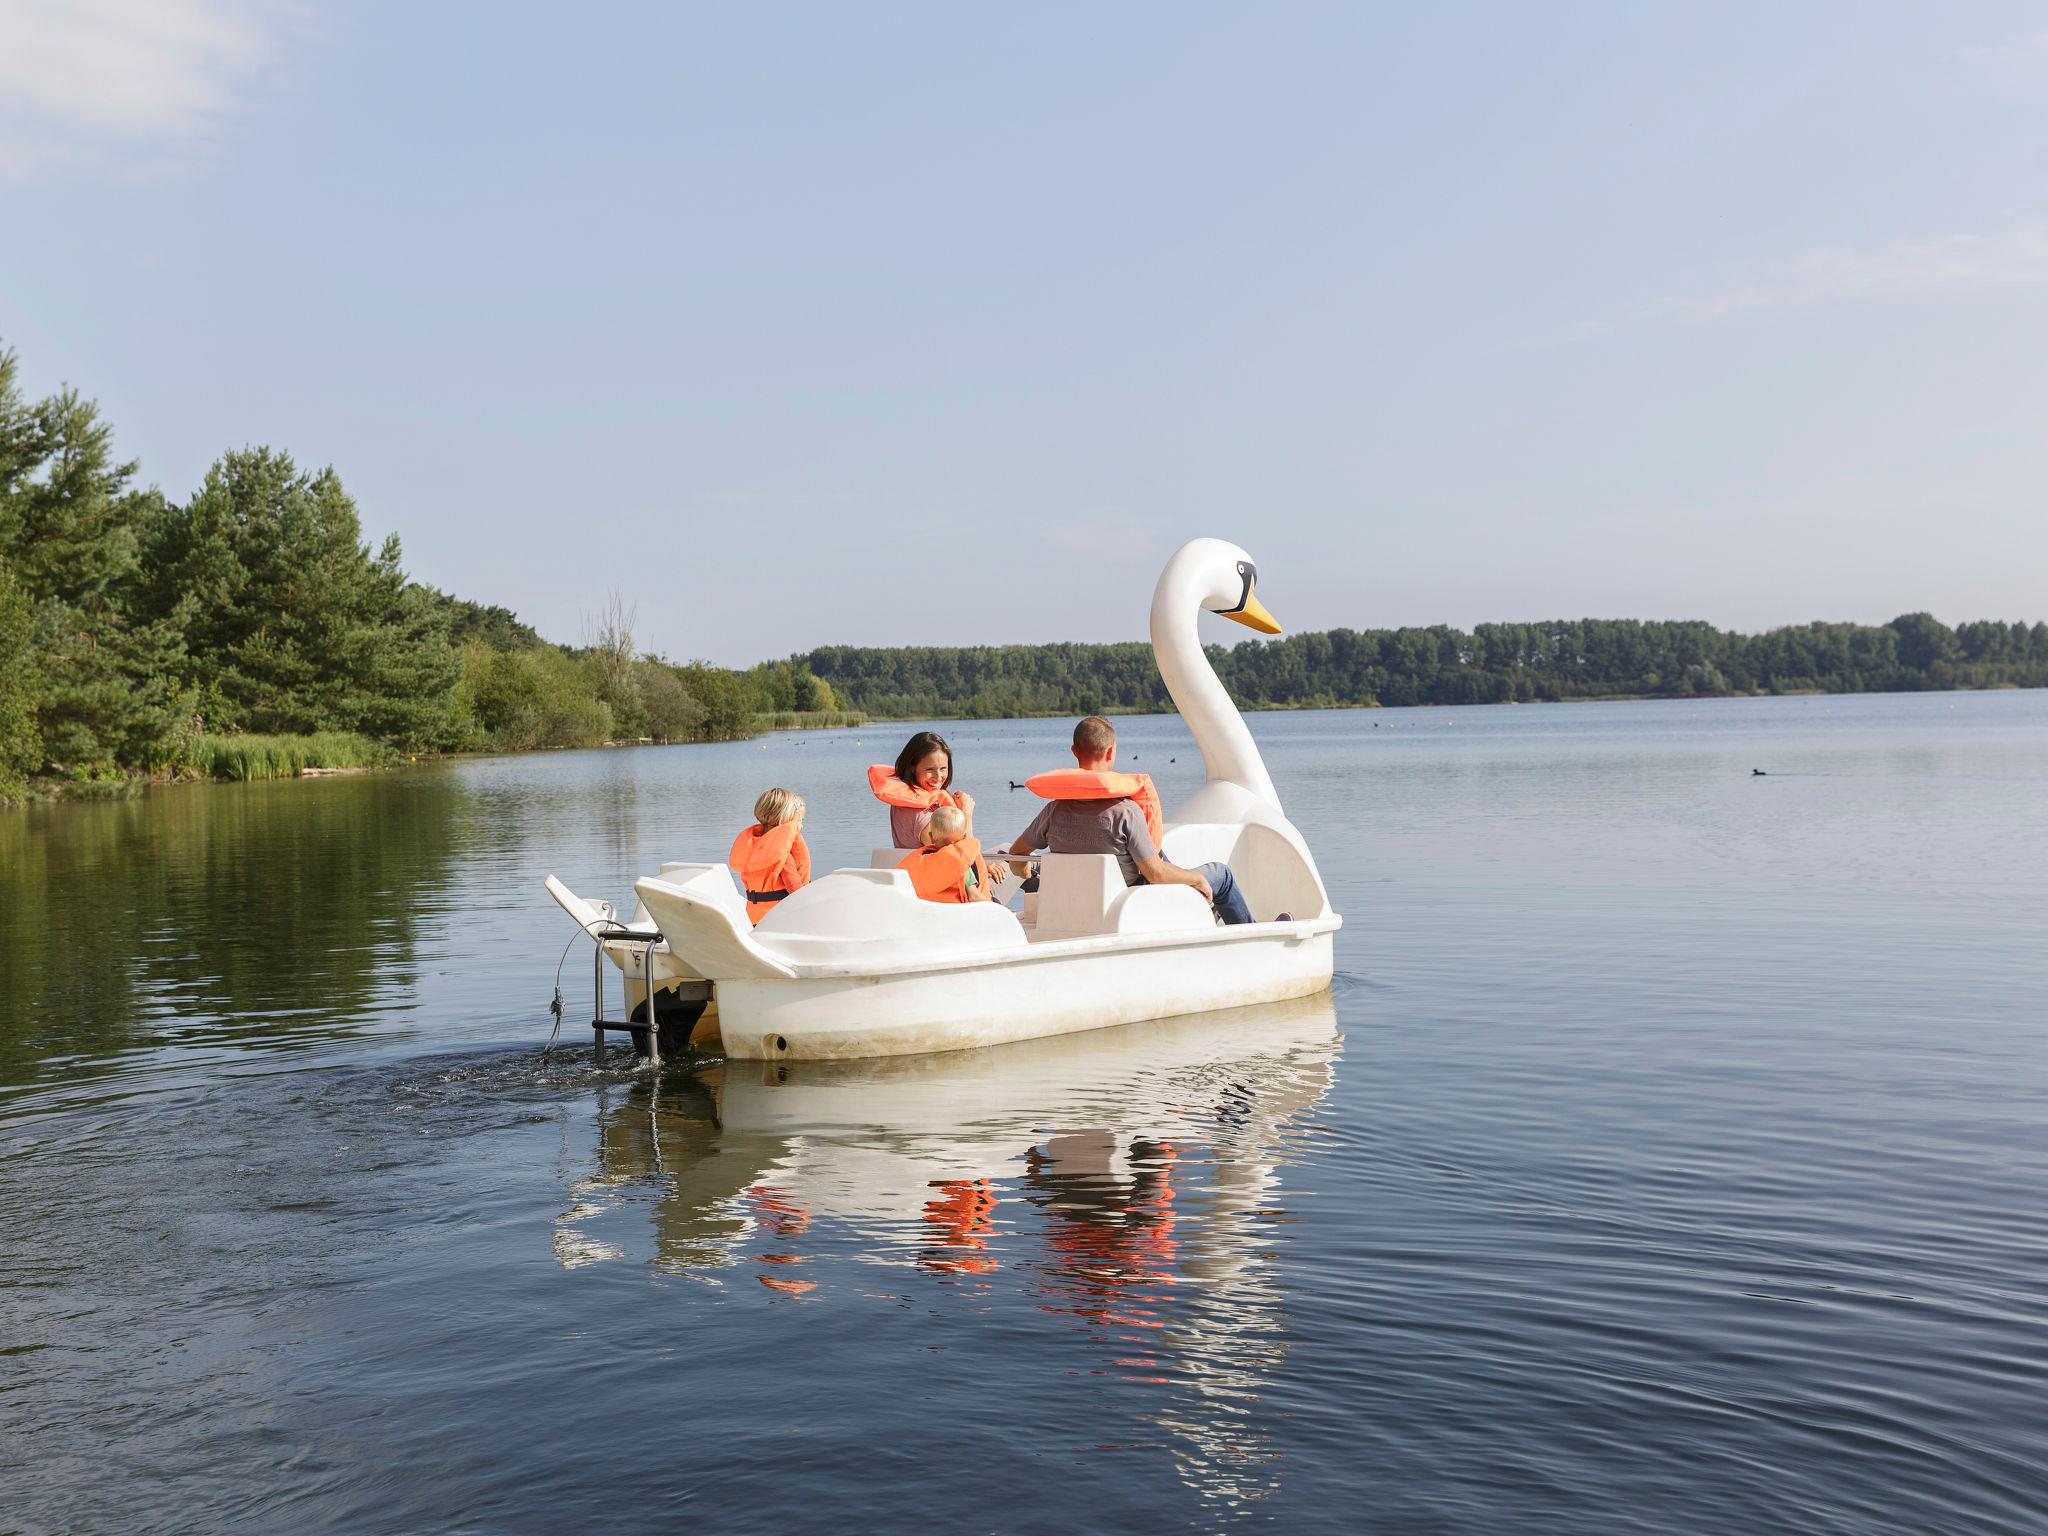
[1076,892]
[888,858]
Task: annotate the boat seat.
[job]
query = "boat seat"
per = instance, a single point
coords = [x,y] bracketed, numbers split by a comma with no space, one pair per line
[1076,893]
[888,858]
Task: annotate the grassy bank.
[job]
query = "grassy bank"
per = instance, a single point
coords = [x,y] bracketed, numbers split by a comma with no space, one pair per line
[237,759]
[241,758]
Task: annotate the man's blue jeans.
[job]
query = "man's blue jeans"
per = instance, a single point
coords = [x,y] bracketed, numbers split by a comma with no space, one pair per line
[1229,903]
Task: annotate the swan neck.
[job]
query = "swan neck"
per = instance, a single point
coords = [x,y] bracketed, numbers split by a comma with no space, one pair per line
[1229,755]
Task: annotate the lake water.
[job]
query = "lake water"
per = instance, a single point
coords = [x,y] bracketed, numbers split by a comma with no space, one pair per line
[1671,1153]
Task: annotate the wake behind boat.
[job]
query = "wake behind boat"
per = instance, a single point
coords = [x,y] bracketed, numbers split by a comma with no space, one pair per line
[856,965]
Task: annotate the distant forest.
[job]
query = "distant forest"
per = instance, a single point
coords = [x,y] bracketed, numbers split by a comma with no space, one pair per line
[251,625]
[1494,664]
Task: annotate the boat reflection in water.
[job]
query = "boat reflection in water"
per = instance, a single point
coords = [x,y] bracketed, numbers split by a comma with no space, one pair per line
[1124,1182]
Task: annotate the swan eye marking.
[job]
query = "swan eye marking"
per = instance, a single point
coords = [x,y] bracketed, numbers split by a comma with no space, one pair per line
[1250,573]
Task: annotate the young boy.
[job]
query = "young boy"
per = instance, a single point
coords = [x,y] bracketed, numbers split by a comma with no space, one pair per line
[949,866]
[771,857]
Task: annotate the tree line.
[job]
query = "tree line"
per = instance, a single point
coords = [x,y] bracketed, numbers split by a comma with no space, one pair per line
[136,630]
[1493,664]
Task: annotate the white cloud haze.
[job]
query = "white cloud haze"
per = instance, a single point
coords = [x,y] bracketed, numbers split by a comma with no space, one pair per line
[1947,267]
[81,78]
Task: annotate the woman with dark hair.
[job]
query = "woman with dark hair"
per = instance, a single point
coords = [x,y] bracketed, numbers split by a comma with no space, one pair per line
[919,782]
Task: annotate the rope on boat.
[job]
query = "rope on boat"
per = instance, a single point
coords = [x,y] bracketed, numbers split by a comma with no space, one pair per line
[583,931]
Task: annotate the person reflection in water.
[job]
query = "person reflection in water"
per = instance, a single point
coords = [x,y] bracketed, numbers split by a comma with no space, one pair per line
[1111,1241]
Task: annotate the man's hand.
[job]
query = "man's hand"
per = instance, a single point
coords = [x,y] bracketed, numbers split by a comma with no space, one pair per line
[1202,885]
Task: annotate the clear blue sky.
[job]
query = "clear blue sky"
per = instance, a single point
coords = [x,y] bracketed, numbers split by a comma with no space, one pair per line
[895,324]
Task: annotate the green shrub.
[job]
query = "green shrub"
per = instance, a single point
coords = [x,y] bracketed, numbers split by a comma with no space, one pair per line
[669,711]
[523,699]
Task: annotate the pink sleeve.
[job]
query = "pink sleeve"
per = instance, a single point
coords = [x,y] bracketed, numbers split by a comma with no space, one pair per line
[906,826]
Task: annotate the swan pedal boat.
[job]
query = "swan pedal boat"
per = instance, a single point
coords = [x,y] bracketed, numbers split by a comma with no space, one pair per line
[855,965]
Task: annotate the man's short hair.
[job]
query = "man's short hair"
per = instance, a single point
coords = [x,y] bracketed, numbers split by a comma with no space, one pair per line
[1094,736]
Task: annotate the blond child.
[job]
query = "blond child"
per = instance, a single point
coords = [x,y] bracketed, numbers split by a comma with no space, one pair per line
[949,867]
[771,857]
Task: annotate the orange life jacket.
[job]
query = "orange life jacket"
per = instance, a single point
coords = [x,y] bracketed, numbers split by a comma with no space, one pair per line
[771,862]
[1094,784]
[891,790]
[940,874]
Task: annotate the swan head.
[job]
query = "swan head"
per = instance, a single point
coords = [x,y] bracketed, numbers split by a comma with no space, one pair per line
[1226,581]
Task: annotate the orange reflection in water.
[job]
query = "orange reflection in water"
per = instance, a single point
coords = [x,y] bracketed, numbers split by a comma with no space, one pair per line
[962,1222]
[784,1218]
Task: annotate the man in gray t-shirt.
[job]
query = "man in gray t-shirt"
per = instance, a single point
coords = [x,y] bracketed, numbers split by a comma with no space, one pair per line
[1114,827]
[1117,828]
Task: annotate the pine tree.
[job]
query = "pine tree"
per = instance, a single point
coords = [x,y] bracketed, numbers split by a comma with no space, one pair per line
[291,623]
[22,448]
[70,526]
[21,744]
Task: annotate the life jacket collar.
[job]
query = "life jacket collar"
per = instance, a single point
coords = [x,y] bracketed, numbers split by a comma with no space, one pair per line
[1099,784]
[891,790]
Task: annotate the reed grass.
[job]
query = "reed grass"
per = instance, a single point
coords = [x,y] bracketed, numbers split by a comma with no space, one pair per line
[242,758]
[808,719]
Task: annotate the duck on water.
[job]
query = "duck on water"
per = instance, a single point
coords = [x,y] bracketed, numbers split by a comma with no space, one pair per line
[855,965]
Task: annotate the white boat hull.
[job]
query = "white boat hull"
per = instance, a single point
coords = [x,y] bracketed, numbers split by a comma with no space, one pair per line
[1049,989]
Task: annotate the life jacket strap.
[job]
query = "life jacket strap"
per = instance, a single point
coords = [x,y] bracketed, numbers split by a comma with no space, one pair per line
[766,895]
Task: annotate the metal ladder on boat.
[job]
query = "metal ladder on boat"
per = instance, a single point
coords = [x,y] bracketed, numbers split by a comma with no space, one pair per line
[645,1033]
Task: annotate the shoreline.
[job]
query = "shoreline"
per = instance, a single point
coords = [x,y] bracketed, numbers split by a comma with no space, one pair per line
[50,790]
